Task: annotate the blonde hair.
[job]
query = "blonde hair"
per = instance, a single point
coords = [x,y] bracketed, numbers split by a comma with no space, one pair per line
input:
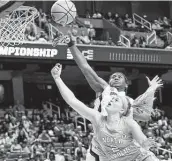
[126,105]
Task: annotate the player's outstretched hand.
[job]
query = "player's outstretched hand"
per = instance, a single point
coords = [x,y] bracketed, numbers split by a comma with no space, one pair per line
[61,38]
[155,83]
[72,38]
[56,71]
[149,143]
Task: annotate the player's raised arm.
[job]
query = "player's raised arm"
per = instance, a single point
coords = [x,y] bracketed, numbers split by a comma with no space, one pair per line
[96,83]
[70,98]
[143,105]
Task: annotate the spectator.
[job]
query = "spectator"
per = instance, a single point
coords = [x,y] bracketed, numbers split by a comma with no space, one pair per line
[80,152]
[97,15]
[84,38]
[36,149]
[9,140]
[15,147]
[42,37]
[160,22]
[91,32]
[13,124]
[118,21]
[31,36]
[127,20]
[48,152]
[75,34]
[128,23]
[58,35]
[47,26]
[110,42]
[87,14]
[136,43]
[22,134]
[52,156]
[116,17]
[26,123]
[31,138]
[59,156]
[156,26]
[47,111]
[166,23]
[42,19]
[109,17]
[142,42]
[25,148]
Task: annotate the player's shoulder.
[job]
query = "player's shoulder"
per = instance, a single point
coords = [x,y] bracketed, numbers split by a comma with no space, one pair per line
[129,121]
[130,99]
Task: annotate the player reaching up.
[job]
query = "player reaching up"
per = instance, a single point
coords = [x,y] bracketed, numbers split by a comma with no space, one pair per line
[116,133]
[105,92]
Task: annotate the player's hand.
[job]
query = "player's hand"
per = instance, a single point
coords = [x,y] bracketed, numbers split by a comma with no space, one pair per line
[155,83]
[149,143]
[56,71]
[72,38]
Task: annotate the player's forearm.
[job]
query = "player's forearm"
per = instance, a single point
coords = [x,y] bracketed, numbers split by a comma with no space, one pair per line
[79,57]
[66,93]
[71,100]
[90,75]
[82,63]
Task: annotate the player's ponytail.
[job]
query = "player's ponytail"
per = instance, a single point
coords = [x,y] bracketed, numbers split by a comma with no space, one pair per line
[126,106]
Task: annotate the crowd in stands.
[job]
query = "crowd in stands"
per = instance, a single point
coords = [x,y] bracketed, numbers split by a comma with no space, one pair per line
[160,129]
[40,135]
[161,26]
[83,35]
[41,29]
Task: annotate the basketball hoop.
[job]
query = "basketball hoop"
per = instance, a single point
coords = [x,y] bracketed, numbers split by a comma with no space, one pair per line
[13,26]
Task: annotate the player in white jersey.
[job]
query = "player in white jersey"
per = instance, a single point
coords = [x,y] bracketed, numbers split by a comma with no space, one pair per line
[119,136]
[104,91]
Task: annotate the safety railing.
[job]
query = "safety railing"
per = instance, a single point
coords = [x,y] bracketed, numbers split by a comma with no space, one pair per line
[169,37]
[164,150]
[83,122]
[57,107]
[152,38]
[124,41]
[142,21]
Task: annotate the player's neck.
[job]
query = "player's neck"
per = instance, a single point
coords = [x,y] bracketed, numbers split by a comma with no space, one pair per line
[120,89]
[113,119]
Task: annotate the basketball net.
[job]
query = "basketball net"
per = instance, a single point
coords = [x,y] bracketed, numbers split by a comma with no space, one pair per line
[13,26]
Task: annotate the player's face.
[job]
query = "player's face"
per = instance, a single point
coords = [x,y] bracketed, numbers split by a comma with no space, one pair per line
[115,104]
[117,80]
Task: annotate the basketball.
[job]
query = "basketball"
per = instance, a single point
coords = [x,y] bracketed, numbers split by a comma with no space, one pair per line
[63,12]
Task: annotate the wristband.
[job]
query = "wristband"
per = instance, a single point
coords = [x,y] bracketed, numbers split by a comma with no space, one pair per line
[71,43]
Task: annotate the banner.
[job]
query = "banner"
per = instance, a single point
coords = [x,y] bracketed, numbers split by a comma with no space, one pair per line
[34,51]
[91,53]
[125,55]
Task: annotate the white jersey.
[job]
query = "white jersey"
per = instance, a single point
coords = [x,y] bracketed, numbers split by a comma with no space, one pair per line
[107,95]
